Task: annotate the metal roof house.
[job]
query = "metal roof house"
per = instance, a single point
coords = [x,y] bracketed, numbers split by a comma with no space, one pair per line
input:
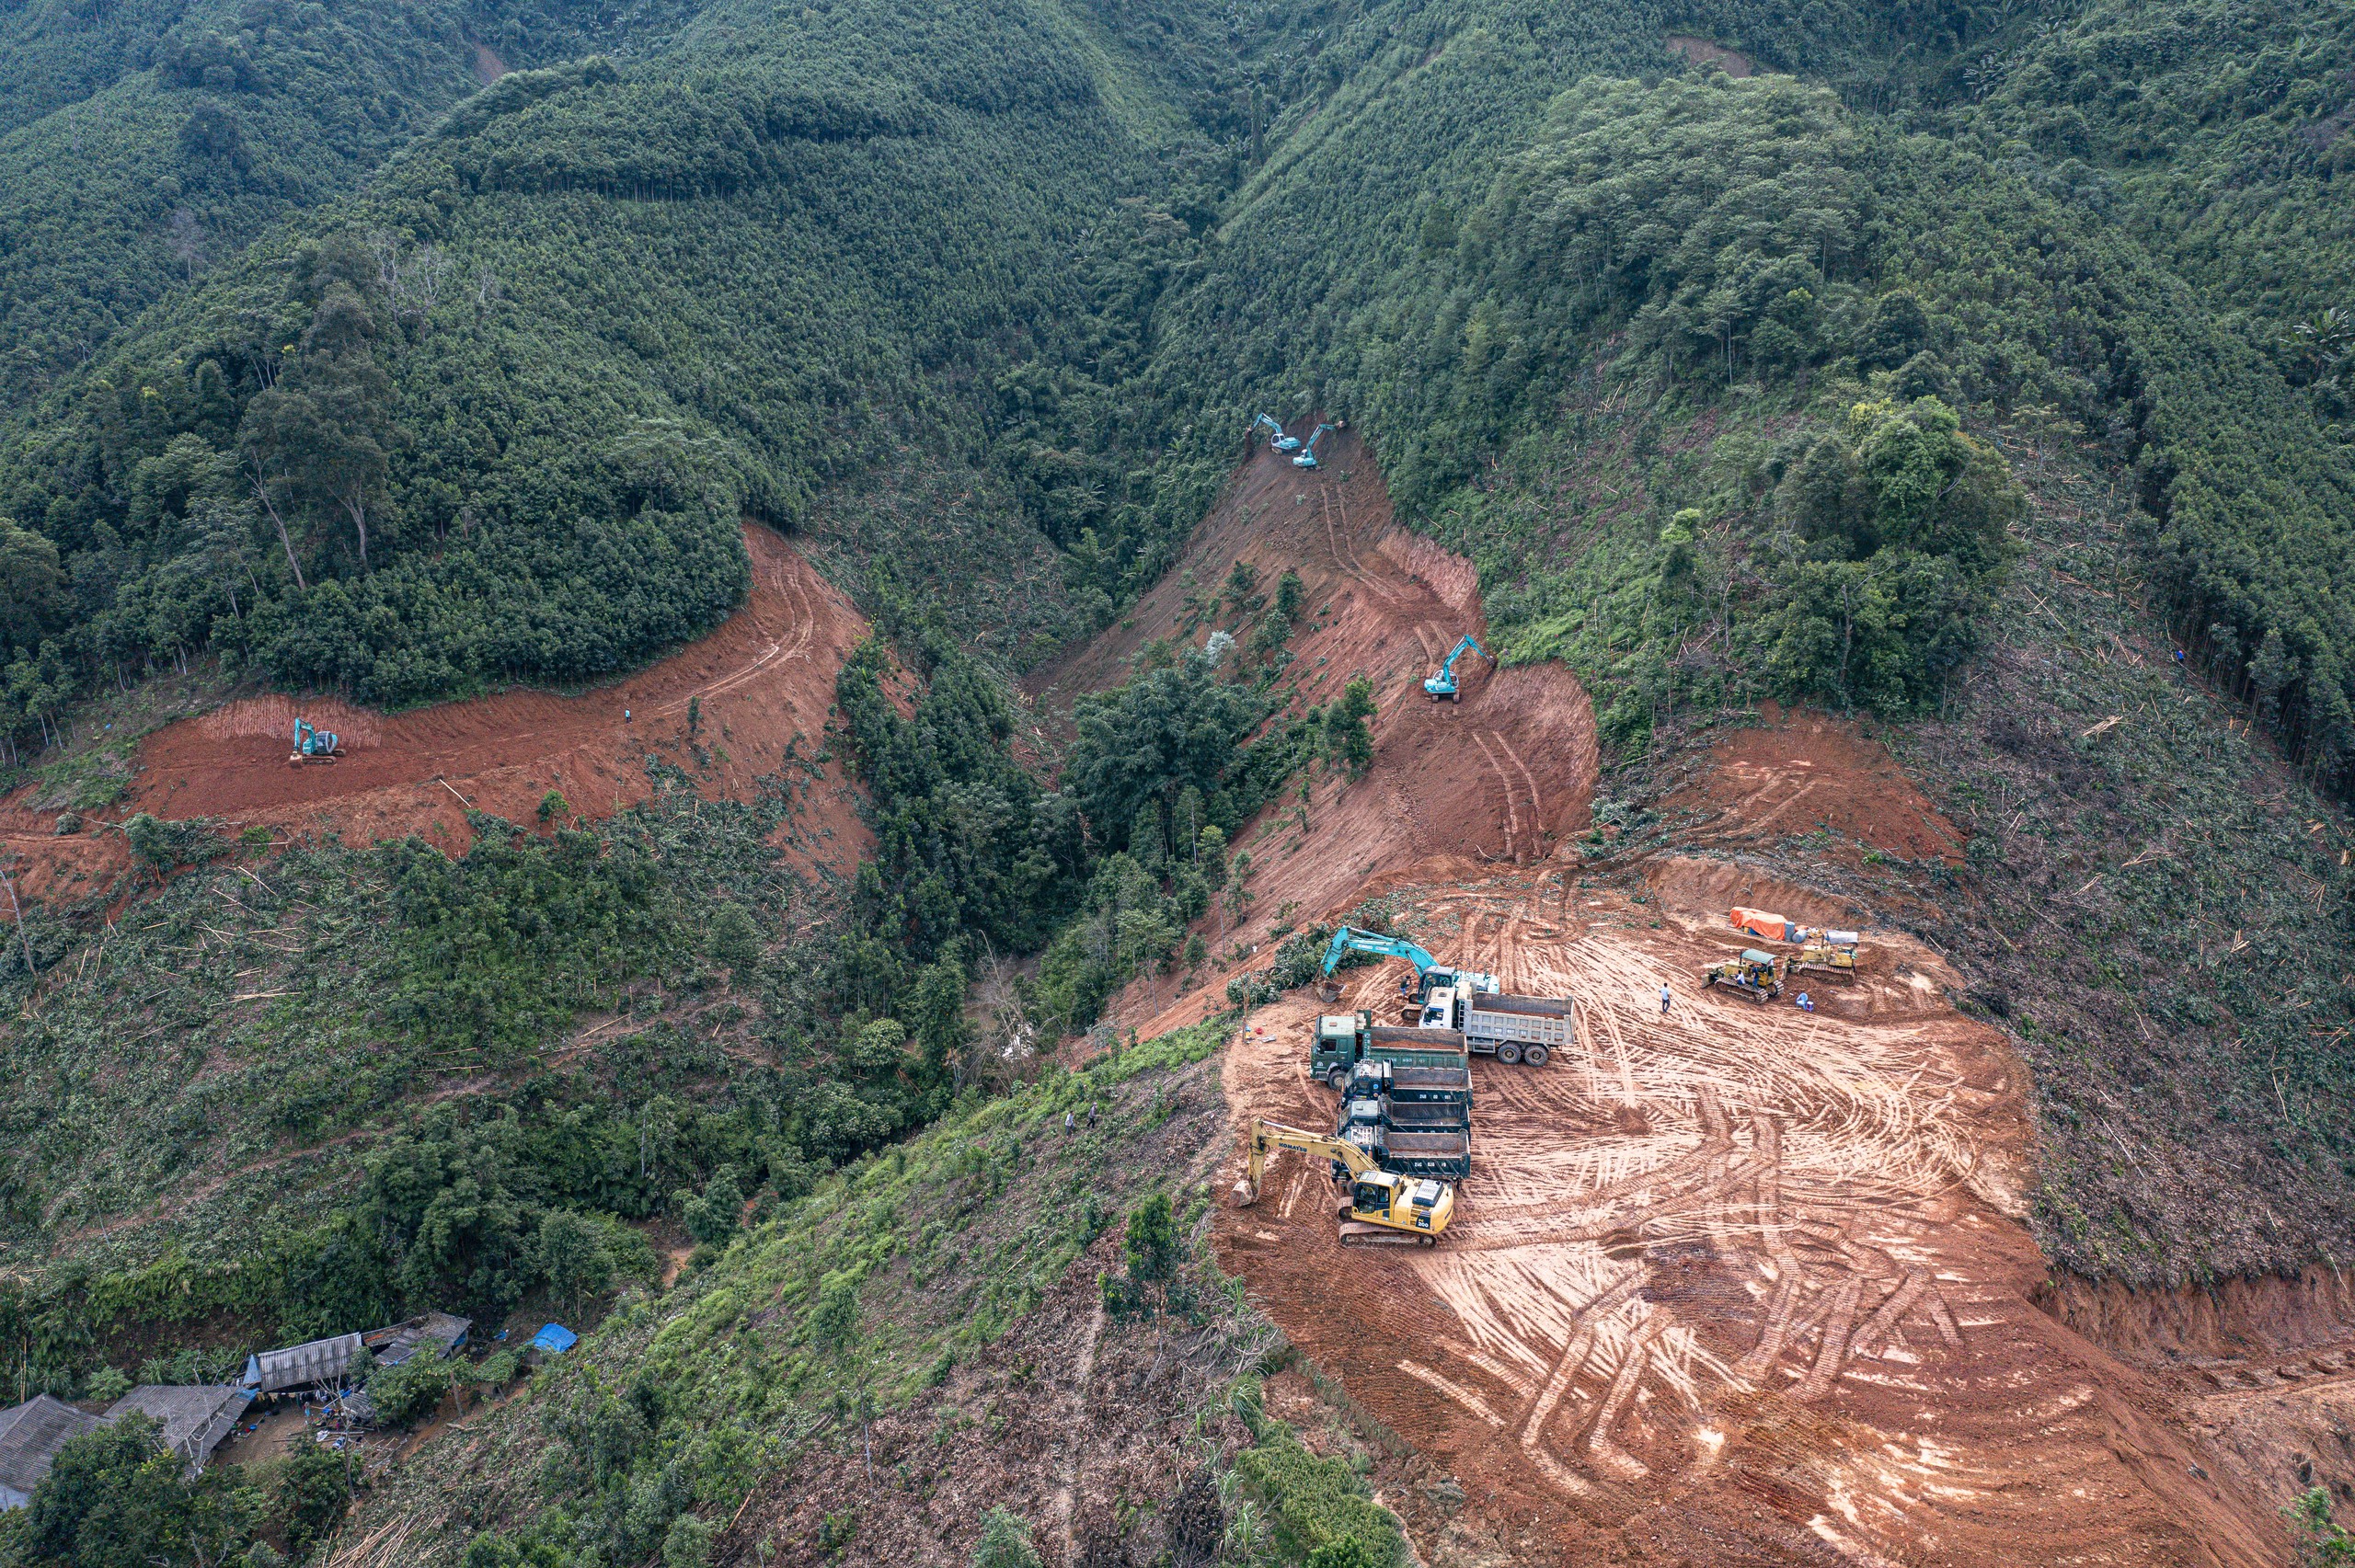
[323,1363]
[397,1343]
[195,1418]
[301,1365]
[30,1435]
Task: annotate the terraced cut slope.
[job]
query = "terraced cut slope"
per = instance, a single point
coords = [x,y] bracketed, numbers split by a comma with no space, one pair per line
[1728,1283]
[759,689]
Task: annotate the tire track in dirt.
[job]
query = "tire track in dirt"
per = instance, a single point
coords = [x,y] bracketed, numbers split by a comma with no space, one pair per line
[1730,1271]
[765,679]
[1427,792]
[1083,1373]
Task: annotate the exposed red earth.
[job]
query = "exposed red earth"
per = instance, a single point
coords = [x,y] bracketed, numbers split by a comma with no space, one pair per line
[1736,1283]
[762,683]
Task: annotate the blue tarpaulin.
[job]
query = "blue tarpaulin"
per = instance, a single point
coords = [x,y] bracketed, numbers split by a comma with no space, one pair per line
[554,1338]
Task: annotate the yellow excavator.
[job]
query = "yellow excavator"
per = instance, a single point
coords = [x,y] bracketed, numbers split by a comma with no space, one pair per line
[1382,1206]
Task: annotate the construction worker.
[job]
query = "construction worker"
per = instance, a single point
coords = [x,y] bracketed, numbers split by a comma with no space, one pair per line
[1806,1003]
[1663,999]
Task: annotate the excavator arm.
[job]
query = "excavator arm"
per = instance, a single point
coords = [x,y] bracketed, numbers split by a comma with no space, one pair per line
[1443,683]
[1267,1136]
[1350,939]
[1276,437]
[1307,458]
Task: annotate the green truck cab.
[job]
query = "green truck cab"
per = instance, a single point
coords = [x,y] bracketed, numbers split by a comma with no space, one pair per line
[1424,1063]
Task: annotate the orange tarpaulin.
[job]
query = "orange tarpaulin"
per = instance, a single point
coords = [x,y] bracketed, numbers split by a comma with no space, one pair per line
[1758,922]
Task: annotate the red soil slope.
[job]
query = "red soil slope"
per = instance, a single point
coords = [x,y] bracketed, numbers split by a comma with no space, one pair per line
[1735,1283]
[765,680]
[1503,776]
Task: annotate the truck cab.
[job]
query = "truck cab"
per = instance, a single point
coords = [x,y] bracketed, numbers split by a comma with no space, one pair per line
[1338,1043]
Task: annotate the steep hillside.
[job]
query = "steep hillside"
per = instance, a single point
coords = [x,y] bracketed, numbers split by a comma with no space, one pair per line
[144,144]
[498,417]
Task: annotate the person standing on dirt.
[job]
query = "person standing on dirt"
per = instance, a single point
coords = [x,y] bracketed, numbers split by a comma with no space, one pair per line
[1663,999]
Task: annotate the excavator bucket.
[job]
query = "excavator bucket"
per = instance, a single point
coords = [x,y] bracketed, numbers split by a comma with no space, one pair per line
[1246,1194]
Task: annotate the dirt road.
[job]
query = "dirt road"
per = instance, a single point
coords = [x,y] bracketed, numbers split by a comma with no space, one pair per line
[1503,774]
[1742,1271]
[762,685]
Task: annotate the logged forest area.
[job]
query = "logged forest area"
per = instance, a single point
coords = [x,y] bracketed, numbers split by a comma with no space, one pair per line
[720,722]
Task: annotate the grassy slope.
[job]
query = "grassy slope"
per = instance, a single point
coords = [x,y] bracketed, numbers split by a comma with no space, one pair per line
[952,1242]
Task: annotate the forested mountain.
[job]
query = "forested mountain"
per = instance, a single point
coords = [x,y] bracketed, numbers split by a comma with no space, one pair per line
[144,145]
[409,352]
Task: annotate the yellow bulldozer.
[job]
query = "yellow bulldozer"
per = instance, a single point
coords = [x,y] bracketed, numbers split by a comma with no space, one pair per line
[1827,960]
[1752,974]
[1380,1205]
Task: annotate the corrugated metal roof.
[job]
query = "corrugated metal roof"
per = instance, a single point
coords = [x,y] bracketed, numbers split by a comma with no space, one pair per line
[396,1344]
[196,1416]
[300,1365]
[30,1435]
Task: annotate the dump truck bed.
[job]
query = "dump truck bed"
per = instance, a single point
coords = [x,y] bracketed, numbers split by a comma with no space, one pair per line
[1445,1155]
[1528,1006]
[1520,1028]
[1413,1084]
[1426,1116]
[1398,1043]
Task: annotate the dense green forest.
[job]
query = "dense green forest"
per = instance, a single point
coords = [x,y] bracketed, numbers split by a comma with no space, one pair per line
[143,145]
[491,420]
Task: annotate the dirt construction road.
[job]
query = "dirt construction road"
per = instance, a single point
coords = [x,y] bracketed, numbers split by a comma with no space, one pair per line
[1738,1281]
[1502,775]
[1737,1284]
[762,686]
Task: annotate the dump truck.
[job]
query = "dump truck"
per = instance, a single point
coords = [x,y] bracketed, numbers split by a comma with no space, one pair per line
[1424,1063]
[1414,1083]
[1386,1132]
[1510,1028]
[1752,974]
[1376,1205]
[1424,1137]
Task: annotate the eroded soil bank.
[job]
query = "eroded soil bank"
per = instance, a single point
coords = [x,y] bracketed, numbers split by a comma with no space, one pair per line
[750,699]
[1730,1281]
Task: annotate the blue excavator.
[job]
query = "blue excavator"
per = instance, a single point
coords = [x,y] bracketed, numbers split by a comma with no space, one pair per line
[312,745]
[1429,973]
[1276,437]
[1307,458]
[1442,688]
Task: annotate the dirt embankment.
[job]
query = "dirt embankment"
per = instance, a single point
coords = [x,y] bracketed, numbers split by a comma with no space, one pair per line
[1729,1283]
[757,692]
[1502,776]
